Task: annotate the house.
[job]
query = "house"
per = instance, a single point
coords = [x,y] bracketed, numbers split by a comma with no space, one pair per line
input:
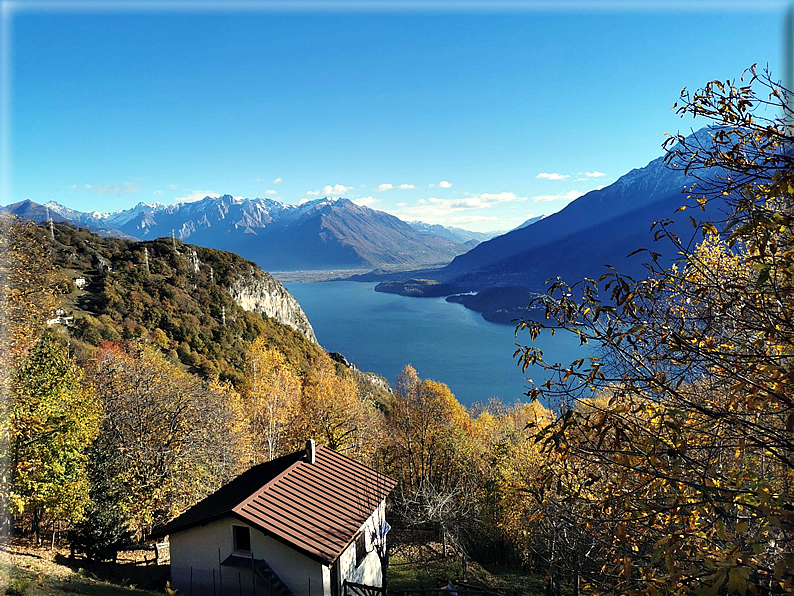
[81,282]
[301,524]
[59,317]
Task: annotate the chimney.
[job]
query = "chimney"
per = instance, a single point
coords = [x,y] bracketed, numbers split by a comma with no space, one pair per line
[310,451]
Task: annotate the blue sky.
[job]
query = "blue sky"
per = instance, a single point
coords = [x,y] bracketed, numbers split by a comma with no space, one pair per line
[479,119]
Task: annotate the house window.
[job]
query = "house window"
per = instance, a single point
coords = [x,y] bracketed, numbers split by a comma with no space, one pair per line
[361,548]
[242,538]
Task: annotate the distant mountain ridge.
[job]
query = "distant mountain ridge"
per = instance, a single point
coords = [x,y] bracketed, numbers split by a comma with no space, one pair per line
[602,227]
[321,234]
[529,222]
[60,214]
[452,233]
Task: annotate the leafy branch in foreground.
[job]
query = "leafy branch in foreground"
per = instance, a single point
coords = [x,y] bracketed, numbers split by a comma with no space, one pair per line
[676,442]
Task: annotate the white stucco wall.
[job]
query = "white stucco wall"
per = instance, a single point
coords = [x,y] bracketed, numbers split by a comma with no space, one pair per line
[369,571]
[198,548]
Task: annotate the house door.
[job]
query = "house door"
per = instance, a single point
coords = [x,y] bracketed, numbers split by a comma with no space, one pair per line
[336,584]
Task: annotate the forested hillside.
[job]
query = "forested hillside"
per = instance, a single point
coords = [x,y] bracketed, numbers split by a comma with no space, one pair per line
[173,401]
[179,301]
[664,468]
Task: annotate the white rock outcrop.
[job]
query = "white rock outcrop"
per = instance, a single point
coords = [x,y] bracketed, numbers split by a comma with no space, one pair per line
[267,296]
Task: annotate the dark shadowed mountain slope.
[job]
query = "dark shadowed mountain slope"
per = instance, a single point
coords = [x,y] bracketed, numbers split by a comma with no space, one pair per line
[652,184]
[601,228]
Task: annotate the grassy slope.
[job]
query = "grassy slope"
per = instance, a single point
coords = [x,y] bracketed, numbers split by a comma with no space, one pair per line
[30,571]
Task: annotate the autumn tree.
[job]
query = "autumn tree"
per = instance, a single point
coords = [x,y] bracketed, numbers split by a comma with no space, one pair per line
[334,413]
[676,444]
[53,418]
[430,453]
[167,439]
[29,288]
[269,402]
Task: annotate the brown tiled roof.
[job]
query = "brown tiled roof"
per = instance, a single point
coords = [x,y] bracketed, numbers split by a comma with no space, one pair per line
[226,498]
[315,508]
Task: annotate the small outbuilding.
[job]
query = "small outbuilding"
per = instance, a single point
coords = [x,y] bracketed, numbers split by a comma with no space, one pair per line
[300,525]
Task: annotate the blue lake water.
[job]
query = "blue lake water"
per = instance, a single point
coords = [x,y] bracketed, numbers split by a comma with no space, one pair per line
[446,342]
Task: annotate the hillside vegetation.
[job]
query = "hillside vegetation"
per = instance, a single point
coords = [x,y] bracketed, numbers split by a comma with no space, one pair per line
[666,468]
[174,414]
[188,314]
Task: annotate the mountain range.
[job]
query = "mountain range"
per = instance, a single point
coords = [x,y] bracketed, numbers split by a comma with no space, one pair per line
[496,276]
[467,237]
[321,234]
[600,228]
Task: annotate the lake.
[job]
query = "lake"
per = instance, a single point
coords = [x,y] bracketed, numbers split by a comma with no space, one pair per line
[446,342]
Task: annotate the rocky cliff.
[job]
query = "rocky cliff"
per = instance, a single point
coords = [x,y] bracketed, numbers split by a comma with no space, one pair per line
[265,295]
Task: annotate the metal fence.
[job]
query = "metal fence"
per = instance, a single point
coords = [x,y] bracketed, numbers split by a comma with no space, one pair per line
[354,589]
[231,582]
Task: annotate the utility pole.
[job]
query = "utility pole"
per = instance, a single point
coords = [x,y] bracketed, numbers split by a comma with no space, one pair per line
[146,258]
[173,239]
[223,315]
[49,220]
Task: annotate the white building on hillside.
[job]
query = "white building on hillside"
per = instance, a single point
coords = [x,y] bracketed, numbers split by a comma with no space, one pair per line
[300,525]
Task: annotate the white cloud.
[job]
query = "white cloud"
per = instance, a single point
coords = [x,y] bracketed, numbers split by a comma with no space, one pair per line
[401,204]
[465,219]
[552,176]
[442,184]
[336,189]
[563,196]
[157,192]
[479,201]
[456,211]
[88,187]
[196,195]
[312,193]
[594,174]
[388,186]
[303,201]
[73,187]
[366,201]
[271,192]
[277,180]
[173,186]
